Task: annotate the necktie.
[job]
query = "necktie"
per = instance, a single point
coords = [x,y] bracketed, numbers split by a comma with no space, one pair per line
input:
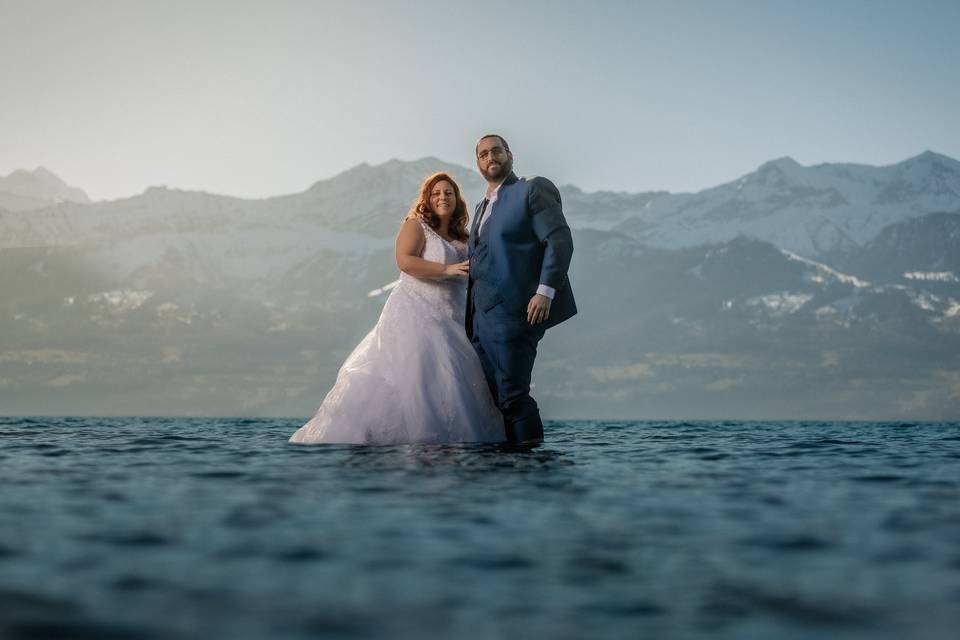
[483,210]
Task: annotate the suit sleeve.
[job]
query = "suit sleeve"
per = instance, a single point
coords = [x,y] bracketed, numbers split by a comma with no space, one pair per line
[550,227]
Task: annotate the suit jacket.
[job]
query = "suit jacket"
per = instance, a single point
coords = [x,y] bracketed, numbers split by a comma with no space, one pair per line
[524,243]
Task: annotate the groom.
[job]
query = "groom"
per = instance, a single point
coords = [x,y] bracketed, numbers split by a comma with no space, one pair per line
[520,249]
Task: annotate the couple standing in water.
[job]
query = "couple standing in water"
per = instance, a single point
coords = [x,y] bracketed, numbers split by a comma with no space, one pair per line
[451,356]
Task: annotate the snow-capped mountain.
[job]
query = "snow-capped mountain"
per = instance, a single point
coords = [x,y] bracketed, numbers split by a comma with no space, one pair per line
[24,190]
[816,211]
[918,249]
[822,211]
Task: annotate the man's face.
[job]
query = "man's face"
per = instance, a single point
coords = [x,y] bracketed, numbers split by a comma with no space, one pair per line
[493,161]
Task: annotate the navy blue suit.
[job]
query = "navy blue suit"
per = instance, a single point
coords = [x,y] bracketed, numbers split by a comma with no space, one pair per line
[525,242]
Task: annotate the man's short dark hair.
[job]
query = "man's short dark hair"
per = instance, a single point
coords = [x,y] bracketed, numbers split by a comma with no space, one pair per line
[506,147]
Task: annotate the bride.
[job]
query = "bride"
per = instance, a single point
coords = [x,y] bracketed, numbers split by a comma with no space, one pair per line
[415,377]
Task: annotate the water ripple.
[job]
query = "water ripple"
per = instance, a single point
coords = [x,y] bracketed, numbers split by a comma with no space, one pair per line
[173,528]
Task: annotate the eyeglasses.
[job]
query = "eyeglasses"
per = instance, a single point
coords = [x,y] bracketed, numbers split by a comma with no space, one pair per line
[496,151]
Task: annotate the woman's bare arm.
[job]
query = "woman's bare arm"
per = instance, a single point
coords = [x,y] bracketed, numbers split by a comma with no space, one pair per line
[410,243]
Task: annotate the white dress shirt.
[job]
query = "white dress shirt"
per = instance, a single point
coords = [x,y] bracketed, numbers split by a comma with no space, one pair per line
[491,197]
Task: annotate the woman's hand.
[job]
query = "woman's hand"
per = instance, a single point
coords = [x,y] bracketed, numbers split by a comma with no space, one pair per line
[457,269]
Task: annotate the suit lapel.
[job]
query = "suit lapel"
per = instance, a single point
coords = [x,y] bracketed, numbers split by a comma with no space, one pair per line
[486,224]
[476,217]
[474,236]
[473,223]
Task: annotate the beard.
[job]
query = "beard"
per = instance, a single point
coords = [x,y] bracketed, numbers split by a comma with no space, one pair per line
[499,173]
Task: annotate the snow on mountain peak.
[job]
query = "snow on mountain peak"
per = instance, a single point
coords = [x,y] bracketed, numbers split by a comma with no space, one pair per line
[929,175]
[811,210]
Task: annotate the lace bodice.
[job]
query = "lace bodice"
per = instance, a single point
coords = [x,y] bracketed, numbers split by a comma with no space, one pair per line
[445,294]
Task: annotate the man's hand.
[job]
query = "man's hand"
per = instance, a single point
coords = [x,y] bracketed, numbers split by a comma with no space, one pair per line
[538,309]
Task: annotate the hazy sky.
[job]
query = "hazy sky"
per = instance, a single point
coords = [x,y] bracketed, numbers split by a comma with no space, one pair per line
[263,98]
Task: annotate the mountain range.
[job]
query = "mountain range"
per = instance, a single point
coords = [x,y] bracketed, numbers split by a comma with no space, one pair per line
[829,291]
[823,210]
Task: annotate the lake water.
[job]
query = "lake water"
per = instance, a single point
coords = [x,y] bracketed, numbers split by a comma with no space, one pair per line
[217,528]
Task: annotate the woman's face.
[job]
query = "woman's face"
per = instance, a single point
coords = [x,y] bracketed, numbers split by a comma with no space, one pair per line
[442,199]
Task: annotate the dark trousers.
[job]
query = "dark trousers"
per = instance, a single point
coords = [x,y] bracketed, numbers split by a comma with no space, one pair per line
[507,346]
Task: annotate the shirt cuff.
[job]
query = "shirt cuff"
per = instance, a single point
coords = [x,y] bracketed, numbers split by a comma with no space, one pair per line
[544,290]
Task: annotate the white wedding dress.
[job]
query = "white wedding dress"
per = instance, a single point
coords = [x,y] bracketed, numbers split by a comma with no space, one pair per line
[415,377]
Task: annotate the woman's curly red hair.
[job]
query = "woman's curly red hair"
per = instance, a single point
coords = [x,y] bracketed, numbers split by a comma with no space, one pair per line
[421,207]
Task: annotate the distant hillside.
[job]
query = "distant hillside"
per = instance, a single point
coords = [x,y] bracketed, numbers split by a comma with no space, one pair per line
[23,190]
